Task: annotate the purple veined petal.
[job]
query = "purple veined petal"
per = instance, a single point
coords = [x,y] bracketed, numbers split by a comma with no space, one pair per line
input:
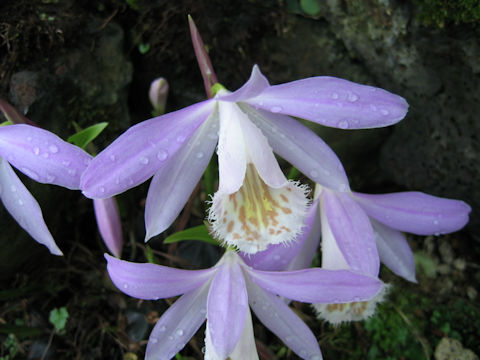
[304,258]
[42,155]
[172,185]
[394,251]
[416,212]
[178,324]
[152,282]
[24,208]
[227,306]
[232,155]
[333,102]
[109,224]
[253,87]
[141,151]
[283,322]
[317,285]
[352,231]
[277,257]
[301,147]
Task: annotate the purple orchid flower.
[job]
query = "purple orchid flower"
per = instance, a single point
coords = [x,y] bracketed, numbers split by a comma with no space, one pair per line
[109,224]
[248,124]
[222,294]
[43,157]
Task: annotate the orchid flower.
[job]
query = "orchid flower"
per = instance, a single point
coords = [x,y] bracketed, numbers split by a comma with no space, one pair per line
[43,157]
[222,294]
[255,204]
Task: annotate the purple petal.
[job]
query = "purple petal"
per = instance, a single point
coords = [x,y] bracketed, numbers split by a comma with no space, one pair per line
[227,306]
[253,87]
[301,147]
[333,102]
[153,282]
[304,258]
[24,208]
[141,151]
[352,232]
[317,285]
[43,156]
[177,325]
[172,185]
[416,212]
[109,224]
[277,257]
[283,322]
[394,251]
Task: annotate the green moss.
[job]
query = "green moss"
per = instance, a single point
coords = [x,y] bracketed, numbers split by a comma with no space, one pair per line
[444,12]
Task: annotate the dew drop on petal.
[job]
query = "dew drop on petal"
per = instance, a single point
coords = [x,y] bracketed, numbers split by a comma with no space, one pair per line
[72,172]
[13,188]
[53,149]
[162,155]
[30,173]
[45,155]
[20,202]
[313,173]
[343,124]
[435,222]
[36,150]
[125,286]
[153,340]
[179,332]
[199,155]
[384,112]
[66,163]
[102,189]
[162,328]
[373,107]
[50,177]
[113,158]
[276,109]
[170,338]
[334,96]
[29,138]
[352,97]
[343,188]
[143,160]
[180,138]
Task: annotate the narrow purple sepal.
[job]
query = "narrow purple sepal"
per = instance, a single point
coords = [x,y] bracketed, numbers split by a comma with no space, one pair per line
[14,115]
[109,224]
[226,308]
[352,231]
[24,208]
[177,325]
[301,147]
[172,185]
[277,257]
[333,102]
[152,282]
[416,212]
[42,155]
[141,151]
[253,87]
[283,322]
[318,285]
[394,251]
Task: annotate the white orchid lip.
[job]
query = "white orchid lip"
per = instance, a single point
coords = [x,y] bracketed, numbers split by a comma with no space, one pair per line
[255,204]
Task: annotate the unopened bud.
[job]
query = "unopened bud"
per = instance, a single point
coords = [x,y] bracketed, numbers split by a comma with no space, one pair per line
[158,95]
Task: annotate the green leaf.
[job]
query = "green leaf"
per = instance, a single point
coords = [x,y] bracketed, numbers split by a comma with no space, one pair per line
[5,123]
[199,233]
[143,48]
[310,7]
[151,258]
[83,137]
[58,318]
[293,174]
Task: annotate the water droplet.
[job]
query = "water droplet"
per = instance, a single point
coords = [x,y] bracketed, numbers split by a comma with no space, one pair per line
[130,182]
[20,202]
[66,163]
[334,96]
[343,124]
[289,339]
[144,160]
[213,136]
[50,178]
[29,138]
[45,155]
[117,181]
[303,353]
[179,332]
[435,222]
[102,189]
[276,257]
[204,349]
[203,311]
[125,286]
[30,173]
[153,340]
[199,155]
[162,328]
[13,188]
[170,338]
[113,157]
[53,149]
[276,109]
[162,155]
[72,172]
[385,112]
[180,138]
[373,107]
[36,150]
[352,97]
[313,173]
